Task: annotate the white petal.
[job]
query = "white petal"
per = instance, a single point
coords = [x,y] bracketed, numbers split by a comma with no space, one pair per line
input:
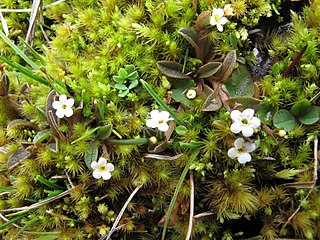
[220,28]
[152,123]
[239,142]
[235,115]
[62,98]
[94,164]
[164,115]
[255,122]
[163,127]
[247,131]
[248,113]
[70,102]
[223,20]
[235,127]
[213,21]
[60,113]
[232,153]
[110,167]
[244,157]
[68,112]
[218,11]
[106,175]
[250,147]
[102,161]
[96,174]
[56,105]
[154,114]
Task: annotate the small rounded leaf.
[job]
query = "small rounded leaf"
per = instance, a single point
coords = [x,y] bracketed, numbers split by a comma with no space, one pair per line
[181,130]
[301,108]
[284,119]
[311,117]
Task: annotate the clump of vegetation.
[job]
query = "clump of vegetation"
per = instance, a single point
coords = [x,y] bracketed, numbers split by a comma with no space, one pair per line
[159,120]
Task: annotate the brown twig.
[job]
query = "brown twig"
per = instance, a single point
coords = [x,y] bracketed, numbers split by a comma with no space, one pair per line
[191,205]
[114,226]
[38,204]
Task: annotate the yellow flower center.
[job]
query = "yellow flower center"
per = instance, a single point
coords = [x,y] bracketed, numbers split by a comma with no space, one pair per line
[244,121]
[161,121]
[102,168]
[63,106]
[241,150]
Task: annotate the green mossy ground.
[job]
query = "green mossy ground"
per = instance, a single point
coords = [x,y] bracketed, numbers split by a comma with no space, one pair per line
[273,196]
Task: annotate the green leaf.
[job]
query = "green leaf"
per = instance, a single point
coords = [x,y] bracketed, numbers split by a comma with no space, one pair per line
[133,84]
[287,173]
[123,73]
[190,35]
[123,93]
[18,51]
[138,141]
[130,68]
[89,133]
[104,132]
[160,102]
[240,83]
[133,76]
[13,220]
[284,119]
[172,69]
[25,71]
[233,39]
[208,70]
[120,87]
[35,54]
[181,130]
[91,154]
[41,136]
[50,183]
[301,108]
[176,192]
[118,79]
[180,85]
[311,117]
[276,69]
[191,145]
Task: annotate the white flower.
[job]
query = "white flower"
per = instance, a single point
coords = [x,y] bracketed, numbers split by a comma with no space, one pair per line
[218,18]
[241,150]
[191,94]
[244,122]
[282,133]
[159,120]
[102,169]
[228,10]
[63,106]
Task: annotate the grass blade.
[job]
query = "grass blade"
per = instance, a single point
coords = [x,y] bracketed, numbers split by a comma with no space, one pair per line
[13,220]
[86,134]
[26,71]
[18,51]
[175,195]
[35,54]
[159,101]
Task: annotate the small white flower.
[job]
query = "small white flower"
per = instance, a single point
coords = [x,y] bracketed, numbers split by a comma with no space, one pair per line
[63,106]
[218,18]
[102,169]
[228,10]
[241,150]
[159,120]
[244,122]
[191,94]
